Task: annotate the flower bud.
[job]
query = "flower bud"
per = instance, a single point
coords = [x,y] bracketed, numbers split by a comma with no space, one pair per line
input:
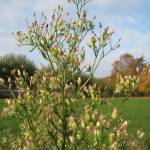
[72,139]
[42,41]
[72,124]
[19,73]
[80,23]
[98,124]
[140,134]
[87,117]
[82,124]
[133,85]
[49,37]
[8,101]
[114,114]
[79,81]
[137,70]
[1,81]
[93,40]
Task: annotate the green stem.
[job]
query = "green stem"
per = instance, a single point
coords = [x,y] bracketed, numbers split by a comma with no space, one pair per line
[64,115]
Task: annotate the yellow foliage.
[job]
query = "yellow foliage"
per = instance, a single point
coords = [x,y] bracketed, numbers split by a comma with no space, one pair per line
[145,80]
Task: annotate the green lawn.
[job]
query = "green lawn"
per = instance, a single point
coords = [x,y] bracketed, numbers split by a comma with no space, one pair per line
[8,124]
[136,109]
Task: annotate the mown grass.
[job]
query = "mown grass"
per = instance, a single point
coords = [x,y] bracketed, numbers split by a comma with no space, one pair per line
[8,124]
[135,109]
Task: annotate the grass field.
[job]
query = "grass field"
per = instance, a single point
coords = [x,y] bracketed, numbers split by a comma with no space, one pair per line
[135,109]
[10,124]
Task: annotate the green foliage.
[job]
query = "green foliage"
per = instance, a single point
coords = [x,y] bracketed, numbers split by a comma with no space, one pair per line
[10,62]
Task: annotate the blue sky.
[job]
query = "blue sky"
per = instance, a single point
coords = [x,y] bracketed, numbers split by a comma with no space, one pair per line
[130,19]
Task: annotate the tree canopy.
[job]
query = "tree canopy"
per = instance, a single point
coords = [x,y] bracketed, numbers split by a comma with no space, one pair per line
[128,65]
[10,62]
[145,80]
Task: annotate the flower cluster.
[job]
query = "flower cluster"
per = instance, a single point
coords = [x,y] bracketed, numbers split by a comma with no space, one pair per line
[127,85]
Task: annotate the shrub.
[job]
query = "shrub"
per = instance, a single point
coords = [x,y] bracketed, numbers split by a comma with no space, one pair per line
[56,114]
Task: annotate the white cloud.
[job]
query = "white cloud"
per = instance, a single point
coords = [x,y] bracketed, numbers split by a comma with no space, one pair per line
[126,6]
[137,41]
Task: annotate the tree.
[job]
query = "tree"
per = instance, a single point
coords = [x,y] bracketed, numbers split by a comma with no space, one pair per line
[10,62]
[128,65]
[145,81]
